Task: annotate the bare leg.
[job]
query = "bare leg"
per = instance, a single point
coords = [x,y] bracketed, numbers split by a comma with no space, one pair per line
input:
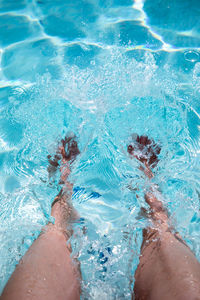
[46,271]
[168,269]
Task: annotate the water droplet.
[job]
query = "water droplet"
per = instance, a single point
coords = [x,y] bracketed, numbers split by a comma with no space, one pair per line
[192,56]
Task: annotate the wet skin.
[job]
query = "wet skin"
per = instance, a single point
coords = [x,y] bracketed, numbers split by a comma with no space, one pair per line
[167,269]
[47,271]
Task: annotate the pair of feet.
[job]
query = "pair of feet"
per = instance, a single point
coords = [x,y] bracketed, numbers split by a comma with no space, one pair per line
[142,148]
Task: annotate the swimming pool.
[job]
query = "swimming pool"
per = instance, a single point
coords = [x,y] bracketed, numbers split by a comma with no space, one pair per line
[104,70]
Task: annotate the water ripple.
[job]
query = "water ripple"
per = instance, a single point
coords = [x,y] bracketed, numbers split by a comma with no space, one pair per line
[104,86]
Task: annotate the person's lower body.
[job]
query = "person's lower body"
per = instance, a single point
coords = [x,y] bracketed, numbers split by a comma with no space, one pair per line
[168,270]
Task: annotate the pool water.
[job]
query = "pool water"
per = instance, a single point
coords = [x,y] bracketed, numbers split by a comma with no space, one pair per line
[104,70]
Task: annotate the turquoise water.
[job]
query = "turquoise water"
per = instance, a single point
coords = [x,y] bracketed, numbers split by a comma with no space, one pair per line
[104,70]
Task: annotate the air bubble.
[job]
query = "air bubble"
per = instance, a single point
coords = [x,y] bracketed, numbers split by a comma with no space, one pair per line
[192,56]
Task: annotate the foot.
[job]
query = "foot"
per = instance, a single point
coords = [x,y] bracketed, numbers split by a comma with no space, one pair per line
[72,149]
[62,208]
[63,158]
[146,151]
[67,156]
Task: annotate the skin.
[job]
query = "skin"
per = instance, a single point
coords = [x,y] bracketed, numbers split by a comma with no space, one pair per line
[167,269]
[47,271]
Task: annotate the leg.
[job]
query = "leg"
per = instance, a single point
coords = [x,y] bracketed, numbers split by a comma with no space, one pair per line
[46,271]
[167,269]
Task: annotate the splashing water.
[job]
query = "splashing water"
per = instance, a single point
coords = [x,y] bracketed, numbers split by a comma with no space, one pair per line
[120,92]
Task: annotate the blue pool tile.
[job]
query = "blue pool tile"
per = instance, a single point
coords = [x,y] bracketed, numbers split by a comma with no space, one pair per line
[178,32]
[79,55]
[67,30]
[10,5]
[16,28]
[131,33]
[42,54]
[164,14]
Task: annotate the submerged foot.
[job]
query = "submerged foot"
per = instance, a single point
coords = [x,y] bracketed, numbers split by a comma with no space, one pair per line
[69,154]
[146,151]
[66,153]
[69,151]
[62,154]
[62,208]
